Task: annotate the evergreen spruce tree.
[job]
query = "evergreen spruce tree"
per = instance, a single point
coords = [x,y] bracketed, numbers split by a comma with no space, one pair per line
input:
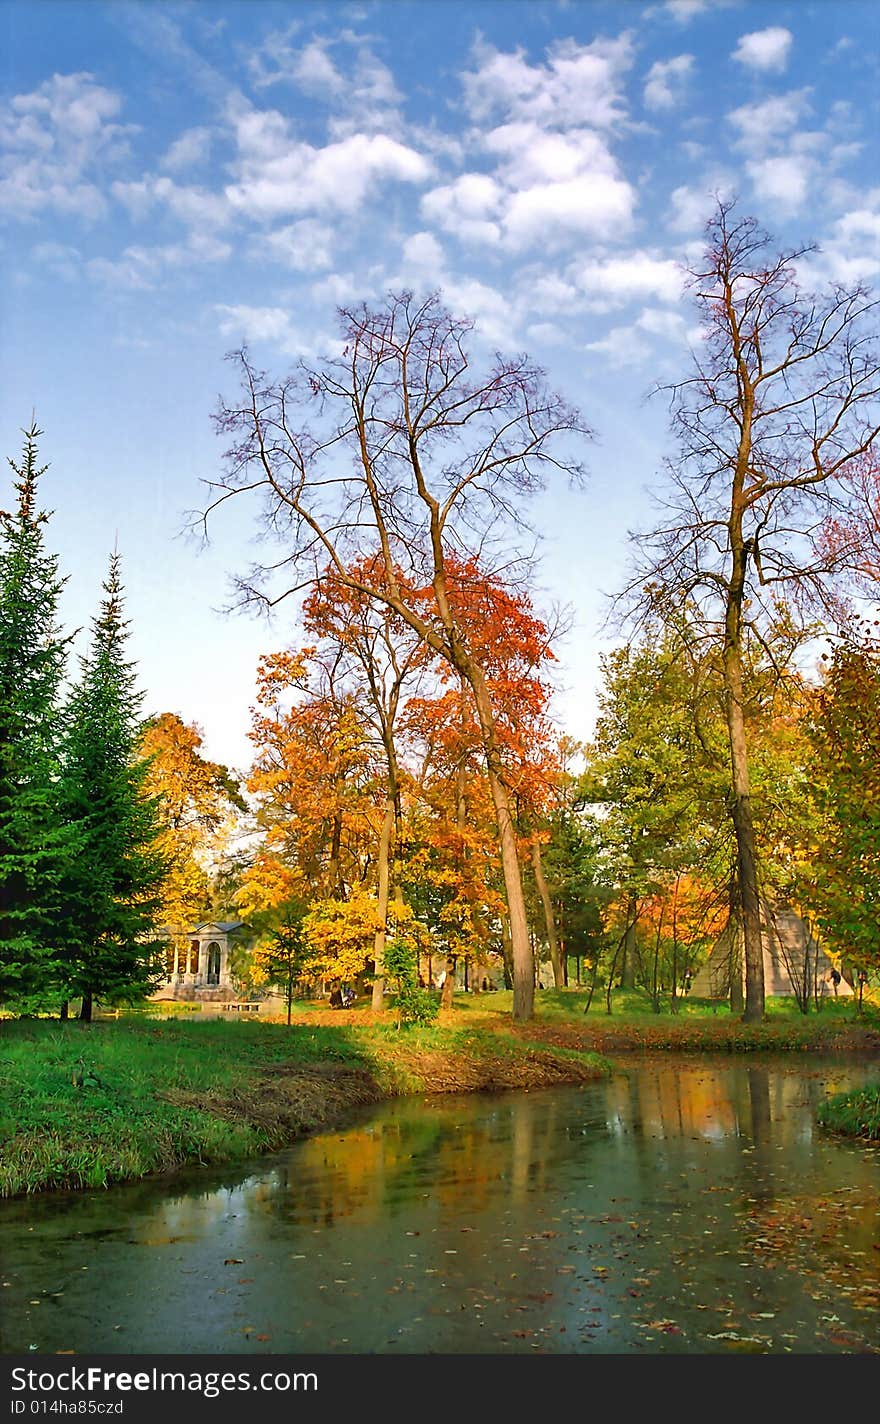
[34,846]
[112,893]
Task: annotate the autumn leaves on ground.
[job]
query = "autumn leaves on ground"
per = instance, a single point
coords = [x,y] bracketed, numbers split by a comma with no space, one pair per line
[90,1106]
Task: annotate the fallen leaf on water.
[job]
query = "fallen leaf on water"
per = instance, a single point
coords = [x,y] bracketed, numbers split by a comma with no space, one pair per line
[234,1261]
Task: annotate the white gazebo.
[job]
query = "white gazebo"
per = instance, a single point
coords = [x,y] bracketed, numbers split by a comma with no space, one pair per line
[200,967]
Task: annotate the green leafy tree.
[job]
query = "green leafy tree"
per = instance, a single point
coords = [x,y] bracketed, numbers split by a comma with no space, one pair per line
[113,891]
[414,1004]
[655,779]
[33,846]
[282,958]
[846,737]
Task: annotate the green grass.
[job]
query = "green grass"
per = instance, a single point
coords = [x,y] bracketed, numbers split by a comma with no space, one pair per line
[857,1114]
[88,1105]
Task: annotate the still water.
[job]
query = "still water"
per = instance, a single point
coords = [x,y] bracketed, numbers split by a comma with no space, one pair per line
[686,1206]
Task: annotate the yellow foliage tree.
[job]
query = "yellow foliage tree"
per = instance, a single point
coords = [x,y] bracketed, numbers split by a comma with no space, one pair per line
[196,800]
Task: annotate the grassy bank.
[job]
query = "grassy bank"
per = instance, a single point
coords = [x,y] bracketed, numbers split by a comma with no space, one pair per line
[89,1105]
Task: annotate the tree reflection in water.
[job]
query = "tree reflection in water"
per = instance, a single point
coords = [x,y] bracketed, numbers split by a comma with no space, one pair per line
[687,1205]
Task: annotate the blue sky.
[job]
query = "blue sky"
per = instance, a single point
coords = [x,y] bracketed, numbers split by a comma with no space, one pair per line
[178,178]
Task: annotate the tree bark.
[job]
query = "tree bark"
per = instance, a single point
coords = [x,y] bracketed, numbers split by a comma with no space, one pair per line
[448,989]
[547,906]
[384,858]
[85,1010]
[521,949]
[741,804]
[630,945]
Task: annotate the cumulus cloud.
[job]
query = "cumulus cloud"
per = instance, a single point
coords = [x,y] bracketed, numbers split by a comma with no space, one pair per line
[191,148]
[594,205]
[664,85]
[340,71]
[57,141]
[423,256]
[469,207]
[635,344]
[278,174]
[765,50]
[578,84]
[852,253]
[636,276]
[271,325]
[547,187]
[304,246]
[762,125]
[781,180]
[195,207]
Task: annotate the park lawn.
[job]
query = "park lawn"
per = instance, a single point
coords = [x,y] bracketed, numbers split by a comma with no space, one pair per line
[89,1105]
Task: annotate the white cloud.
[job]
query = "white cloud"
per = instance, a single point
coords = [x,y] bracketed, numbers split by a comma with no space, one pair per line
[762,125]
[264,324]
[766,50]
[191,148]
[305,246]
[358,89]
[852,254]
[469,207]
[142,268]
[684,10]
[638,276]
[278,174]
[636,343]
[664,85]
[423,256]
[57,140]
[491,310]
[595,205]
[690,207]
[196,207]
[579,84]
[530,154]
[783,180]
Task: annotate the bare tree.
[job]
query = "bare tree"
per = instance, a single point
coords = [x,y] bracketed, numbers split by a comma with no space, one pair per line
[781,405]
[397,446]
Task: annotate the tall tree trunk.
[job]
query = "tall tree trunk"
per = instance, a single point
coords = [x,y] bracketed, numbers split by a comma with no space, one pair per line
[741,815]
[521,949]
[741,550]
[737,999]
[85,1009]
[506,952]
[384,859]
[630,945]
[547,905]
[333,869]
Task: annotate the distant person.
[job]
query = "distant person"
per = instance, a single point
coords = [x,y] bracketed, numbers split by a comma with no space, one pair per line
[835,979]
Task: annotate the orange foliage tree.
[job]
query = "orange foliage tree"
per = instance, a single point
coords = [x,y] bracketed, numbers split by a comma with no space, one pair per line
[397,445]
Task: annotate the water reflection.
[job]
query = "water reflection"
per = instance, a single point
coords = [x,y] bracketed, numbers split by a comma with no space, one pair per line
[687,1205]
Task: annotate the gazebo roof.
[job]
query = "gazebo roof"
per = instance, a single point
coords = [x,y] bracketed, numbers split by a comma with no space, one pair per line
[221,926]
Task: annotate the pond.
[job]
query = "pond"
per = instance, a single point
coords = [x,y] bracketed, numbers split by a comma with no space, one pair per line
[689,1205]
